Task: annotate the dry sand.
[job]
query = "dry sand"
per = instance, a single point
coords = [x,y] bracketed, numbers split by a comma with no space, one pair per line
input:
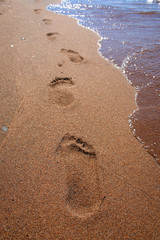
[70,166]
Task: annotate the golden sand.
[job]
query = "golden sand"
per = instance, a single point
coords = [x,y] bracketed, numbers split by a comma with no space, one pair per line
[70,166]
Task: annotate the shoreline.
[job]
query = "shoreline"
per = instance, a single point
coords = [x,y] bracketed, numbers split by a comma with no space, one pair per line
[100,38]
[146,137]
[70,168]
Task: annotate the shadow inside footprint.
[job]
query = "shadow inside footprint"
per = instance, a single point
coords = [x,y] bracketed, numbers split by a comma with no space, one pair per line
[82,196]
[52,35]
[47,21]
[59,80]
[73,55]
[63,98]
[37,11]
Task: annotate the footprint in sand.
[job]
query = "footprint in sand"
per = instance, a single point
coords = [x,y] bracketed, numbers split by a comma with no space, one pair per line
[73,55]
[60,80]
[52,35]
[47,21]
[61,96]
[81,182]
[37,11]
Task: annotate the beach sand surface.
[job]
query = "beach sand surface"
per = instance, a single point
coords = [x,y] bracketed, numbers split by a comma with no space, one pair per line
[70,166]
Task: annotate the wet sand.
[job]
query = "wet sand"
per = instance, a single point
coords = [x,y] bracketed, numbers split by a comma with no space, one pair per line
[70,166]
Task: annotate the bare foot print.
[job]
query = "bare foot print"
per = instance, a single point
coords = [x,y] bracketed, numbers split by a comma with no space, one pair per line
[78,159]
[52,35]
[37,11]
[47,21]
[73,56]
[59,80]
[61,96]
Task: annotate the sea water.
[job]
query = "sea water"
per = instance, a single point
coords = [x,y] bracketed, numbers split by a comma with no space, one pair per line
[130,31]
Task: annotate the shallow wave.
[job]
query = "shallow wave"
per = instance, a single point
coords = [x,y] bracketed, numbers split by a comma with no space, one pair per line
[145,127]
[131,40]
[148,13]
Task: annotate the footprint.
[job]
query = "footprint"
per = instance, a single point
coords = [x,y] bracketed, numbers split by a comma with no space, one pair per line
[47,21]
[52,35]
[73,56]
[81,182]
[62,98]
[59,80]
[37,11]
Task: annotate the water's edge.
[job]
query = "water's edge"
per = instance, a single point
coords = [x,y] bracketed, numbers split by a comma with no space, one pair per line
[132,115]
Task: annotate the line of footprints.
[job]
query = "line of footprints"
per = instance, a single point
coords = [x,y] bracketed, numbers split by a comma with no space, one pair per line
[82,195]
